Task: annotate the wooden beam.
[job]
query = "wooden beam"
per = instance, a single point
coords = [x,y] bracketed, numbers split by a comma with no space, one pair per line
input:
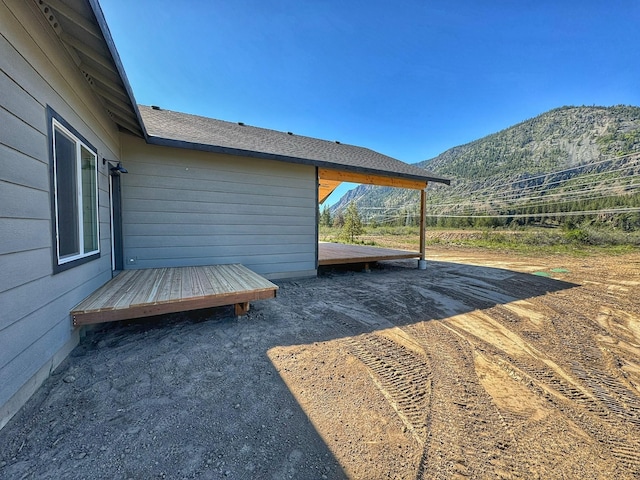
[241,309]
[423,223]
[149,310]
[370,179]
[326,188]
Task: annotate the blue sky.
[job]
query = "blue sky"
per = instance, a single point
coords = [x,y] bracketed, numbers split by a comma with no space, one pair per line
[409,79]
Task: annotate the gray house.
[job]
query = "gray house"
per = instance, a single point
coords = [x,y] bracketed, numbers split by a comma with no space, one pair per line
[201,190]
[198,191]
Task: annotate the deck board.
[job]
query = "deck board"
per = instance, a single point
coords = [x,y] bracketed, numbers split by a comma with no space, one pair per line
[175,288]
[127,292]
[142,292]
[104,294]
[163,293]
[154,291]
[341,254]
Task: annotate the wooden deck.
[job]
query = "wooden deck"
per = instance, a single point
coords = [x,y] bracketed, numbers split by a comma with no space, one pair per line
[142,293]
[340,254]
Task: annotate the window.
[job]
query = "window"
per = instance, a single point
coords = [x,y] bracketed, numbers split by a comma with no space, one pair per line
[74,186]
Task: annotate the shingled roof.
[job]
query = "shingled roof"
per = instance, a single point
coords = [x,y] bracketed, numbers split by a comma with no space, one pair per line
[181,130]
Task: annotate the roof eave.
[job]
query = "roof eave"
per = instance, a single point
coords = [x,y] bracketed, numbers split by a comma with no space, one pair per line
[111,46]
[169,142]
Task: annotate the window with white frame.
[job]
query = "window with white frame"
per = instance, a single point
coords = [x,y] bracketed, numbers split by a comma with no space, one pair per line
[75,196]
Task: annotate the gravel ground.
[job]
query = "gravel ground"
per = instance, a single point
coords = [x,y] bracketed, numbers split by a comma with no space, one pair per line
[484,365]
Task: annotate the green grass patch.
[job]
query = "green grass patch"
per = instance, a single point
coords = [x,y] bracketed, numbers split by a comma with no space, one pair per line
[543,241]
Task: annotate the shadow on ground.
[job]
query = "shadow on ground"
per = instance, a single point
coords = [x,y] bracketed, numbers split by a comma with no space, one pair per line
[195,395]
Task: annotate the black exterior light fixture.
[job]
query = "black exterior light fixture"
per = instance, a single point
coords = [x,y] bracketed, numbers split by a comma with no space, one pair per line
[115,166]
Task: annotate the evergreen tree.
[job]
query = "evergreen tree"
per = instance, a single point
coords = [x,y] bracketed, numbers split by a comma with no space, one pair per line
[325,217]
[352,223]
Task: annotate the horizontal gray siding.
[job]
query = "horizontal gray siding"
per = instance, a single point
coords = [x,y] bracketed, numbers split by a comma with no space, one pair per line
[184,207]
[32,173]
[22,234]
[26,364]
[24,202]
[35,71]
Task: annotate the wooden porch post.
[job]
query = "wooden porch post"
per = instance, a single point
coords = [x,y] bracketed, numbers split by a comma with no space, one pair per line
[423,226]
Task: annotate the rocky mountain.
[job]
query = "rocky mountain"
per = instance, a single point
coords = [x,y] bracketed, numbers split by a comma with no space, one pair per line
[559,161]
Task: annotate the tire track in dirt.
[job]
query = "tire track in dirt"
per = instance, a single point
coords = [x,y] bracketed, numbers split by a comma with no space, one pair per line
[621,344]
[464,433]
[468,437]
[402,374]
[591,414]
[598,370]
[588,391]
[427,374]
[509,376]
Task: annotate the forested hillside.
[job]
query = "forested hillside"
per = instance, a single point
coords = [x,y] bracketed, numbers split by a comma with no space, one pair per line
[572,165]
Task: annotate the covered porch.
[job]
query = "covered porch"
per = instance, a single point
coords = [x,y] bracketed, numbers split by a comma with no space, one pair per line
[342,254]
[156,291]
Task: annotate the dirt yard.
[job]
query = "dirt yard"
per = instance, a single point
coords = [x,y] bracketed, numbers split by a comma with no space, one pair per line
[482,366]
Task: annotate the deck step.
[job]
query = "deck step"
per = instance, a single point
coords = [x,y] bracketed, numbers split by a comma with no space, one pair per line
[156,291]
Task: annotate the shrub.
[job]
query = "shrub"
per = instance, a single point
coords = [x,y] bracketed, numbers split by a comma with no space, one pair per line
[577,235]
